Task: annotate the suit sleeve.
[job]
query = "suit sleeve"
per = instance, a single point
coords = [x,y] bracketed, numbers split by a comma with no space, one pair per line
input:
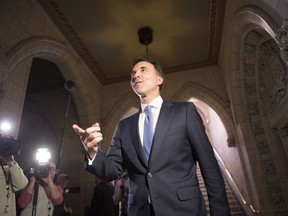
[204,154]
[108,167]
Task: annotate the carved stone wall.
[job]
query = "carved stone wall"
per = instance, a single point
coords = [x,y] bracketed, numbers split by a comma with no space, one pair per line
[264,89]
[272,76]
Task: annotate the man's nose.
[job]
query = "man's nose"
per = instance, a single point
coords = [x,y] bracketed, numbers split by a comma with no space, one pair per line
[134,76]
[137,73]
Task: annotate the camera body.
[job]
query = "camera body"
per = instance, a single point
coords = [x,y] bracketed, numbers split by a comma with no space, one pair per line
[42,170]
[38,171]
[9,146]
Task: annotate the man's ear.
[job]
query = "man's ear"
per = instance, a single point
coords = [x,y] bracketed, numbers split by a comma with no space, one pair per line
[160,80]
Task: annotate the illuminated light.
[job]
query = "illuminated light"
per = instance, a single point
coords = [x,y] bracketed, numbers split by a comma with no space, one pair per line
[43,155]
[5,126]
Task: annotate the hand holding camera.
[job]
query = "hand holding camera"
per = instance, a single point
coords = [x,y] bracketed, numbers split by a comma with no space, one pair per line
[6,160]
[40,172]
[31,176]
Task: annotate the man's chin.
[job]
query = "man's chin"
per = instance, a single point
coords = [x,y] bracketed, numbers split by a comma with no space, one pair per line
[138,92]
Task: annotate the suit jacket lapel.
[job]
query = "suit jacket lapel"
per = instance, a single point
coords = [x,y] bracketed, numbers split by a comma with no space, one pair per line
[134,133]
[161,128]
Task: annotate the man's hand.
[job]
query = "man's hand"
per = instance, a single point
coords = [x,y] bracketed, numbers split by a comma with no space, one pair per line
[90,138]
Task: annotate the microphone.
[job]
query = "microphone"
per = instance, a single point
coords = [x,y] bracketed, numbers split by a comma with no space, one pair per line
[69,86]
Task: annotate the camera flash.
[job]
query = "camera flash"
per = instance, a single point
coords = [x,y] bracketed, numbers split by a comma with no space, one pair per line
[5,126]
[43,155]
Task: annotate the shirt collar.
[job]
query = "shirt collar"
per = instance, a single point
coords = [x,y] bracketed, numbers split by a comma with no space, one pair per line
[157,103]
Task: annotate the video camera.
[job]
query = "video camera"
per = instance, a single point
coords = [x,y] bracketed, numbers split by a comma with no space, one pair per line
[42,170]
[9,146]
[39,171]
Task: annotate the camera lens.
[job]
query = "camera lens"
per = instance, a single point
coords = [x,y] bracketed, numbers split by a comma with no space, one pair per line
[6,147]
[43,171]
[9,146]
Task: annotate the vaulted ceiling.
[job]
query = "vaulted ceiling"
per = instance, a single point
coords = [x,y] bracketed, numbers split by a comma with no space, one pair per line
[186,33]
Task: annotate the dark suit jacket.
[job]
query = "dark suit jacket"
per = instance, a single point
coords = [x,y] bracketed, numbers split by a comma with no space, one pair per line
[170,174]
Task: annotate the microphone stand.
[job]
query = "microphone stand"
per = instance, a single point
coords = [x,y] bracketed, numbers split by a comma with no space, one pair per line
[69,86]
[35,197]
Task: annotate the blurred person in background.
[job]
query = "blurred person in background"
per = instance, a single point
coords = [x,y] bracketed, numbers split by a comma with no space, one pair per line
[49,194]
[62,180]
[12,179]
[102,202]
[120,196]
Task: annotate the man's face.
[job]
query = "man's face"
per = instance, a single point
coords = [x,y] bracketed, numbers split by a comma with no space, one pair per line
[145,80]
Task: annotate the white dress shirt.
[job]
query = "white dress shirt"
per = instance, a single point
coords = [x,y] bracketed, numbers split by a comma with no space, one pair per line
[155,109]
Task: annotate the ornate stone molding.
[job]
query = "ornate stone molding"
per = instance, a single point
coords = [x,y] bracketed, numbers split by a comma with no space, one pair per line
[282,39]
[275,84]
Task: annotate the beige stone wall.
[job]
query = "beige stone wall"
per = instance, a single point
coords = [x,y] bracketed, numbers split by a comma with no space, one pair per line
[26,32]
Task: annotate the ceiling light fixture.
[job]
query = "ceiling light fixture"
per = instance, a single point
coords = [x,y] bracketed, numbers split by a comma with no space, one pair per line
[145,35]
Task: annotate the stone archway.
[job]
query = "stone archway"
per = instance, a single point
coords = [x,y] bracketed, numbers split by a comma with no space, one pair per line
[16,76]
[218,104]
[20,59]
[253,33]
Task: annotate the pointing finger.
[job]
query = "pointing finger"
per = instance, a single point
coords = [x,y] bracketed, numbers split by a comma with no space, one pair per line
[78,129]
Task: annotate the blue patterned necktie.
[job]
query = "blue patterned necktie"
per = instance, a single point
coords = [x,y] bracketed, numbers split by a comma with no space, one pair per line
[148,131]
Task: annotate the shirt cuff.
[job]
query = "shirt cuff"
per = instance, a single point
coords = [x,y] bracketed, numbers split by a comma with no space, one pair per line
[90,161]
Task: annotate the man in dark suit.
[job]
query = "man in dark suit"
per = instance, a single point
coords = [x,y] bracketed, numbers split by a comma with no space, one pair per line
[163,183]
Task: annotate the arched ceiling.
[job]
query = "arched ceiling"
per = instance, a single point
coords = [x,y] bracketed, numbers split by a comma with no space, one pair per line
[186,33]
